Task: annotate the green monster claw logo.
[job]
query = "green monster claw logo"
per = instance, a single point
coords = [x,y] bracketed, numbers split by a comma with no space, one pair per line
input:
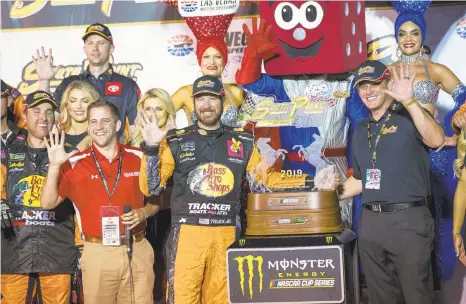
[250,259]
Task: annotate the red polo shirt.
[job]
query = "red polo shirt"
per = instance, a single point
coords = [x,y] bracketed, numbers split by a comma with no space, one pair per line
[81,182]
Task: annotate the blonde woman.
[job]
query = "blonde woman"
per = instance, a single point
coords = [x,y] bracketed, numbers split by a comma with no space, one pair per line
[158,100]
[158,226]
[459,204]
[73,108]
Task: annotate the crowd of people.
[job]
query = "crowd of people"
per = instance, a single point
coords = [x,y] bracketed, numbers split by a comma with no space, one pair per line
[83,167]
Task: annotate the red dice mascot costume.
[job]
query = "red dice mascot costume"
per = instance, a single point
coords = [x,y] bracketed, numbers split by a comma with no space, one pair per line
[308,48]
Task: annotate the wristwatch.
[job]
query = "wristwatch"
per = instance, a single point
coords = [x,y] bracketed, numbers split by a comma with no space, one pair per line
[410,102]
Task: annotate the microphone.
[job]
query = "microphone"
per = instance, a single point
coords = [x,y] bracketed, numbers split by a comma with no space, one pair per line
[129,239]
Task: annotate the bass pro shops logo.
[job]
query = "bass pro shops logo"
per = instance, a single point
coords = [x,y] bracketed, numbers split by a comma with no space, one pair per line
[28,190]
[248,262]
[211,180]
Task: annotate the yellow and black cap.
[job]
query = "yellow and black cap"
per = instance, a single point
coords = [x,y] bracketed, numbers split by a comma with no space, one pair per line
[38,97]
[208,84]
[98,29]
[371,70]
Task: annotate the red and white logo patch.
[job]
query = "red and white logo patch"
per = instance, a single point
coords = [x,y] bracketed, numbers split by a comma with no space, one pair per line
[113,88]
[235,148]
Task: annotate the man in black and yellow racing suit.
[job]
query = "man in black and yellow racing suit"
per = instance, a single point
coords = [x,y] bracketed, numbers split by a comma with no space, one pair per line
[208,162]
[38,251]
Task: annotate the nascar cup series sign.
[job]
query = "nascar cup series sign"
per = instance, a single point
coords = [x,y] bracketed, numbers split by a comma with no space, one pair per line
[286,275]
[198,8]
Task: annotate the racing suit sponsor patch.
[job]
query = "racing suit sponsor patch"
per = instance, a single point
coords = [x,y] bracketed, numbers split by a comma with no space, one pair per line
[209,208]
[235,148]
[211,180]
[27,191]
[188,146]
[17,156]
[37,218]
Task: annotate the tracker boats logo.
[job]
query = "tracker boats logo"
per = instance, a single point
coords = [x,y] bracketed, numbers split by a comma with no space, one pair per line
[180,45]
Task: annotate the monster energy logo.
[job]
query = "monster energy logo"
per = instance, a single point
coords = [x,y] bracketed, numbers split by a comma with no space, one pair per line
[329,239]
[250,259]
[242,242]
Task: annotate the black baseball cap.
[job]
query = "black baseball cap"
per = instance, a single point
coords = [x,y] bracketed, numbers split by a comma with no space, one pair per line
[208,84]
[371,70]
[98,29]
[38,97]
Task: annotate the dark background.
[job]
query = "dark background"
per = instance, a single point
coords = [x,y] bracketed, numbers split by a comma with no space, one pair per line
[124,12]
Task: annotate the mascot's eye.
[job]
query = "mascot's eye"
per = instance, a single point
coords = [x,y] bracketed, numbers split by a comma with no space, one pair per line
[311,15]
[286,15]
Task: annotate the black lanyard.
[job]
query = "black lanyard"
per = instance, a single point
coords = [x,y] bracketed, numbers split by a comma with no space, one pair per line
[120,160]
[379,134]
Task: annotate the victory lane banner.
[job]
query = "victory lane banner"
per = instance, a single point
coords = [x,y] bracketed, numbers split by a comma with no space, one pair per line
[286,275]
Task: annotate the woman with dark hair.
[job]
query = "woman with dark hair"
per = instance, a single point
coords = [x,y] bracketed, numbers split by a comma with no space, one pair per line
[431,77]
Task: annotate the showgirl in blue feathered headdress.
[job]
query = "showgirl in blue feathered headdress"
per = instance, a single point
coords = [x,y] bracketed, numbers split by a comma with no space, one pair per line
[410,32]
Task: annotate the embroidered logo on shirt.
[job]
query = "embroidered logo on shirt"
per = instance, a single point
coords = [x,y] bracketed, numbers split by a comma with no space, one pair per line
[113,88]
[129,174]
[386,130]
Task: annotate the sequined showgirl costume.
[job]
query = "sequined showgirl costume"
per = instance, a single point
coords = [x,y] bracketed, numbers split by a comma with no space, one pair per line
[442,183]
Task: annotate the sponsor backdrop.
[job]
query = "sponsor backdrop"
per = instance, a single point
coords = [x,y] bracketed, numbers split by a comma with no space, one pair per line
[285,275]
[152,43]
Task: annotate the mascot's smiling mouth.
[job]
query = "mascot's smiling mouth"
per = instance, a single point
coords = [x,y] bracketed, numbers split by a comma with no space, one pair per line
[309,51]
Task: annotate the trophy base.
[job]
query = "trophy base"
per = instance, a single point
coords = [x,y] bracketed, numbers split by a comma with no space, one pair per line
[293,213]
[293,222]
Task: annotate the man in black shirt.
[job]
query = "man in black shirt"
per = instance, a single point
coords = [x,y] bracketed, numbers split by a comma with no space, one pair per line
[391,169]
[122,91]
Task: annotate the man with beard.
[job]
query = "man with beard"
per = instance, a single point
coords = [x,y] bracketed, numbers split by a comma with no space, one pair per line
[38,252]
[9,130]
[100,181]
[208,161]
[122,91]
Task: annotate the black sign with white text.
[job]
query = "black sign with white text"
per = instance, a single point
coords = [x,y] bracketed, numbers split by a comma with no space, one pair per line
[286,275]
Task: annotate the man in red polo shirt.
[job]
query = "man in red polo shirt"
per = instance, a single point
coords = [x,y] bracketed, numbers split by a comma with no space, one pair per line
[101,180]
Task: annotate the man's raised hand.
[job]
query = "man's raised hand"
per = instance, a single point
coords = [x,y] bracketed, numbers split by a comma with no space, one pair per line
[44,65]
[56,149]
[403,91]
